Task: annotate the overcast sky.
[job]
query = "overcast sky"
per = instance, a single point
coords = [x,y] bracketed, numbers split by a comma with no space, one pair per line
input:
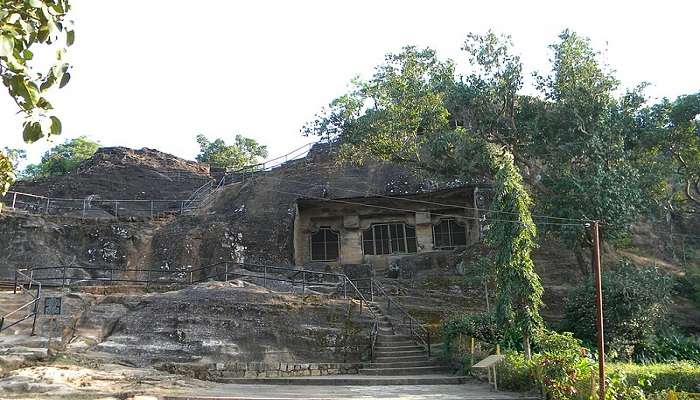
[154,73]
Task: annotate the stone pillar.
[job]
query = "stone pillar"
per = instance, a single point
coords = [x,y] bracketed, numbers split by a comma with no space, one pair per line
[351,241]
[424,231]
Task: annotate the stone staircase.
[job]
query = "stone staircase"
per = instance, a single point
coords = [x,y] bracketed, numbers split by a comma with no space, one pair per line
[399,356]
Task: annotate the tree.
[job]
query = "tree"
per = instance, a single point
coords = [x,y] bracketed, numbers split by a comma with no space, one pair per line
[635,300]
[24,25]
[244,151]
[403,115]
[7,175]
[62,159]
[15,156]
[584,136]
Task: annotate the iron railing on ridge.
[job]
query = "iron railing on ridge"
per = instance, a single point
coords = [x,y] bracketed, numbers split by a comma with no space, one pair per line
[415,328]
[22,279]
[240,175]
[224,271]
[91,208]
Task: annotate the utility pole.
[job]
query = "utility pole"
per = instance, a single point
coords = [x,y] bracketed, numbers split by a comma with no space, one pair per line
[599,309]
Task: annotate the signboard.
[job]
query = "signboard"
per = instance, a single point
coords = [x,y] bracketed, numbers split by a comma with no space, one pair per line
[52,306]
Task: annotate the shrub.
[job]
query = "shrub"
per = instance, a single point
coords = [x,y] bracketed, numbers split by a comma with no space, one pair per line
[681,376]
[635,300]
[516,373]
[668,347]
[560,368]
[561,364]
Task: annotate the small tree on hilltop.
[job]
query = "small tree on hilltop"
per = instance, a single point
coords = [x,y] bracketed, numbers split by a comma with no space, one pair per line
[244,151]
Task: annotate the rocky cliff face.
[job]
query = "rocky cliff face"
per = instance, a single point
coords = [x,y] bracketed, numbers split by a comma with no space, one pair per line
[123,173]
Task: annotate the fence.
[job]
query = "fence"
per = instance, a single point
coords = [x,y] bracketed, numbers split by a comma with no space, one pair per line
[267,275]
[251,170]
[94,208]
[24,281]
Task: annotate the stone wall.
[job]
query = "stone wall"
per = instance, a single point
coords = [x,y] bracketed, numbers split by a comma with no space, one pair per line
[259,370]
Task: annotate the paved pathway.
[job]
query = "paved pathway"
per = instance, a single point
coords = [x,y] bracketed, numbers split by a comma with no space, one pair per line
[468,391]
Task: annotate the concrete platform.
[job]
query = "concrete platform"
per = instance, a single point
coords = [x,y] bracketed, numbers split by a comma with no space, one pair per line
[470,391]
[352,380]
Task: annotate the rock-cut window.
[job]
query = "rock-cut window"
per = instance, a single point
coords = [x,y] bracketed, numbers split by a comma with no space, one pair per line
[389,239]
[324,245]
[449,234]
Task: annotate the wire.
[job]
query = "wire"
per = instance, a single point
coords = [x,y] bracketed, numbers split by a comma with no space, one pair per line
[425,201]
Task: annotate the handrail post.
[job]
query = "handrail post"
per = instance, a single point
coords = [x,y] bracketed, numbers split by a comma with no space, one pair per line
[84,207]
[14,289]
[48,201]
[182,206]
[225,272]
[345,287]
[36,306]
[371,290]
[14,199]
[428,342]
[191,277]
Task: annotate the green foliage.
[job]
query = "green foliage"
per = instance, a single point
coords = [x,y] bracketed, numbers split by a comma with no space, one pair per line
[519,290]
[16,156]
[635,300]
[24,27]
[560,369]
[7,175]
[244,151]
[561,364]
[479,326]
[62,159]
[668,347]
[680,376]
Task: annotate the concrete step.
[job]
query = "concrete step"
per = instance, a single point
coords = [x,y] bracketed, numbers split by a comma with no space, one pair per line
[385,343]
[393,338]
[353,380]
[392,359]
[403,371]
[392,348]
[422,363]
[399,353]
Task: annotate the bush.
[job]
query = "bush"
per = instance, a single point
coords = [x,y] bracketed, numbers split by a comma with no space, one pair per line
[635,300]
[516,373]
[668,347]
[681,376]
[560,368]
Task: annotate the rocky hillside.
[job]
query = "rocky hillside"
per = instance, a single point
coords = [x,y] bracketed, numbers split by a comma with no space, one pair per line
[123,173]
[251,221]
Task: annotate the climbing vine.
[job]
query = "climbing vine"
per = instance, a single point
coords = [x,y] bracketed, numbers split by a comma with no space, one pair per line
[512,235]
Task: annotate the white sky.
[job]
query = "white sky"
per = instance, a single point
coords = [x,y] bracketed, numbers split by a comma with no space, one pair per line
[155,73]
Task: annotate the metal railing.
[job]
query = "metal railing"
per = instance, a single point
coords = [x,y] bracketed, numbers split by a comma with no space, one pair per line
[91,208]
[183,176]
[198,196]
[223,271]
[22,279]
[414,327]
[250,171]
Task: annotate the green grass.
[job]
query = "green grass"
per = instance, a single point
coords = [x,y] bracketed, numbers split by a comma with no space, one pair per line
[681,376]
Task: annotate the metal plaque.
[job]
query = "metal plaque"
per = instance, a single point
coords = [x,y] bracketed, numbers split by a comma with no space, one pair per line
[52,306]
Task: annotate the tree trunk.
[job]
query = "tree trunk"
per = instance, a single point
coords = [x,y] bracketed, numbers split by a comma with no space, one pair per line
[526,347]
